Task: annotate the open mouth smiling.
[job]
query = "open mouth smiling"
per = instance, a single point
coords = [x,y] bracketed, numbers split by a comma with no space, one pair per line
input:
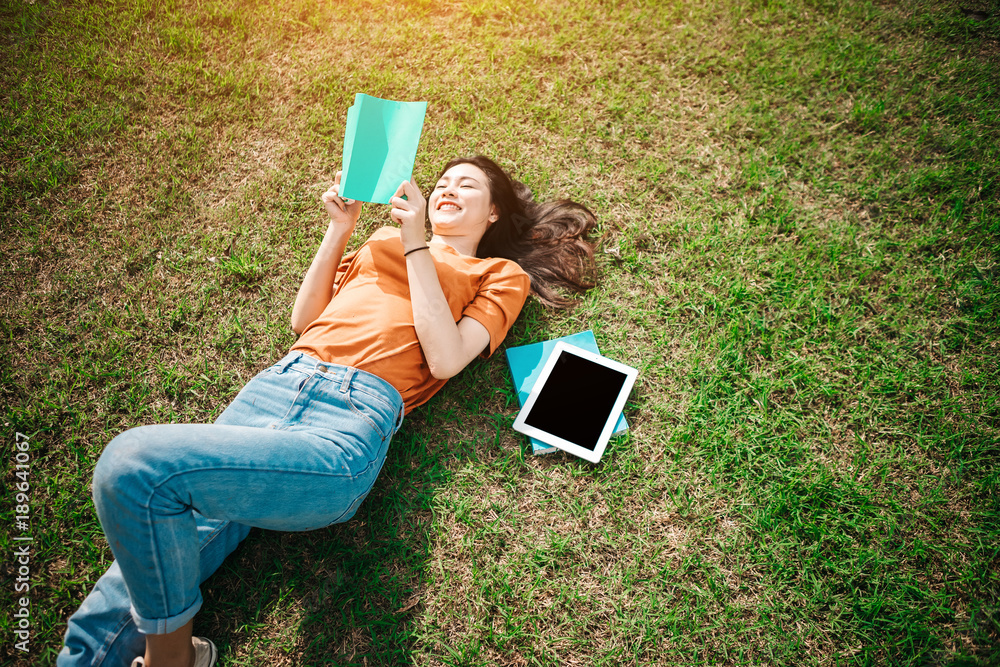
[449,205]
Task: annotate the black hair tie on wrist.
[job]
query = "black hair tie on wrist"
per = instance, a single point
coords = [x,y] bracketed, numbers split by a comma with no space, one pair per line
[423,247]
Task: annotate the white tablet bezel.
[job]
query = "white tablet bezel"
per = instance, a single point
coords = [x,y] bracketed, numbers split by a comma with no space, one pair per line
[594,455]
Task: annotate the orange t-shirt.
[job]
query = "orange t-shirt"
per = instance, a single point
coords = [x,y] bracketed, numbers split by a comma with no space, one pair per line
[368,323]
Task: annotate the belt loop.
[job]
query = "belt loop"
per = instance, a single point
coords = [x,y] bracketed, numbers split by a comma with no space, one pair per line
[346,384]
[288,360]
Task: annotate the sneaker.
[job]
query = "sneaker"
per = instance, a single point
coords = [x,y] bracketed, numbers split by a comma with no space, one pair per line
[205,654]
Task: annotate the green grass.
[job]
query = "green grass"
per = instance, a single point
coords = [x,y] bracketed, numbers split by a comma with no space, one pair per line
[799,208]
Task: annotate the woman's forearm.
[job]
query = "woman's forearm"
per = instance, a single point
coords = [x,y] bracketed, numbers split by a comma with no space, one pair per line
[317,287]
[436,330]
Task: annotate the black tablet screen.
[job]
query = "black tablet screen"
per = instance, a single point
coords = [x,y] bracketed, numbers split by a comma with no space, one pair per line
[576,401]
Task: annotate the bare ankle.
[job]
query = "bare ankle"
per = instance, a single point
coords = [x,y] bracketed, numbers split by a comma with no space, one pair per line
[182,659]
[173,649]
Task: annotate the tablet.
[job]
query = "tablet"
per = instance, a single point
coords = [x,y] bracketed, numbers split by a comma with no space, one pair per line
[576,401]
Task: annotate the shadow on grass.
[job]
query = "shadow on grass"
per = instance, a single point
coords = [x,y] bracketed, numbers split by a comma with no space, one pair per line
[346,594]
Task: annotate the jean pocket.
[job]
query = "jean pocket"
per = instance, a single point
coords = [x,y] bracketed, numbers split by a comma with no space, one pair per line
[375,410]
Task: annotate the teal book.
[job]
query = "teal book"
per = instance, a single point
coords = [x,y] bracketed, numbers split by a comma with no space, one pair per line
[526,362]
[380,146]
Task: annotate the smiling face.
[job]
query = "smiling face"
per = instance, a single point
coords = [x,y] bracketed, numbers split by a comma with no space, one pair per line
[460,204]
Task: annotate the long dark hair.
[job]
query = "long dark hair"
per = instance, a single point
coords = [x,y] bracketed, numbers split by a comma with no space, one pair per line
[548,240]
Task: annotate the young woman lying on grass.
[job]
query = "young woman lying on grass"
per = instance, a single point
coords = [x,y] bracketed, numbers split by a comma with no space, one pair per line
[381,330]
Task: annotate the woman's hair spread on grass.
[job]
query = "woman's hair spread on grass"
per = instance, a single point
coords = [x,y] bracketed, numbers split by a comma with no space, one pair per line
[548,240]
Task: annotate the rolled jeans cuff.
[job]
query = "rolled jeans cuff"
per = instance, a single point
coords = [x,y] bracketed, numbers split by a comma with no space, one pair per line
[162,626]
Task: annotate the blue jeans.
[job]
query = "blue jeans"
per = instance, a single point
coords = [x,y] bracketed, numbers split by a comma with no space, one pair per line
[298,449]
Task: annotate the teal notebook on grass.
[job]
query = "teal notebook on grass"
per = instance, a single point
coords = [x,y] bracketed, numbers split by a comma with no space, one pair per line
[526,362]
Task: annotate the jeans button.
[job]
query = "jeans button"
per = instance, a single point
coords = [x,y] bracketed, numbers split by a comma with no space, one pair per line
[322,368]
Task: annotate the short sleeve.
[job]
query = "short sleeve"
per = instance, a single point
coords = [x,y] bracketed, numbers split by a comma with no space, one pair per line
[499,300]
